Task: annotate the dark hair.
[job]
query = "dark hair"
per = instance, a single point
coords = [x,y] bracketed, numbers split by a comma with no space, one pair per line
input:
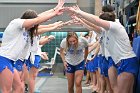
[108,8]
[29,14]
[109,16]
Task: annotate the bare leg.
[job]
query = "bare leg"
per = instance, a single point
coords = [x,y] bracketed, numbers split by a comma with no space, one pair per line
[32,75]
[87,78]
[125,82]
[6,80]
[102,80]
[108,86]
[78,80]
[18,84]
[25,77]
[98,80]
[94,81]
[112,73]
[70,77]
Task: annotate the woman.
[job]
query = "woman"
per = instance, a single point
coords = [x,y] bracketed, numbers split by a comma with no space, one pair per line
[36,54]
[118,45]
[74,59]
[17,35]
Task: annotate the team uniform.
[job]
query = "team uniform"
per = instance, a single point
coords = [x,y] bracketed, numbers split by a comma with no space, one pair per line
[75,59]
[35,58]
[118,46]
[92,64]
[14,40]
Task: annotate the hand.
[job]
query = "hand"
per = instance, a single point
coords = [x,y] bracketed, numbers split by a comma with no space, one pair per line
[68,22]
[44,56]
[72,10]
[59,26]
[60,4]
[76,20]
[65,64]
[59,8]
[51,37]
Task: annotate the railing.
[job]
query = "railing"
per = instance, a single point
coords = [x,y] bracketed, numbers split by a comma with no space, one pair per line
[49,65]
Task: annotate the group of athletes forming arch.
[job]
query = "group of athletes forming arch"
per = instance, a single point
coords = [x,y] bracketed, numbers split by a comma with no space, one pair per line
[21,48]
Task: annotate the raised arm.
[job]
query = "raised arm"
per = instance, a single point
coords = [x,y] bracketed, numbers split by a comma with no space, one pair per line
[49,25]
[91,26]
[47,28]
[89,17]
[43,17]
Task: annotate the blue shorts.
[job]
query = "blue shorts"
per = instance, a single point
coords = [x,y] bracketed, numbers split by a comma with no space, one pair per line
[19,65]
[36,62]
[100,60]
[104,67]
[91,66]
[5,62]
[87,66]
[73,69]
[111,63]
[95,62]
[129,65]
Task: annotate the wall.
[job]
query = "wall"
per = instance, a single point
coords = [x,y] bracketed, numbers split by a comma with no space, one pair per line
[98,7]
[10,9]
[13,9]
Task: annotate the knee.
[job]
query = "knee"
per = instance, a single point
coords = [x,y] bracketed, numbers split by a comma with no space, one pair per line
[78,83]
[18,88]
[33,76]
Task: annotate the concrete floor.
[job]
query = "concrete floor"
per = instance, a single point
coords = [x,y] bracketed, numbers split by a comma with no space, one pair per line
[55,84]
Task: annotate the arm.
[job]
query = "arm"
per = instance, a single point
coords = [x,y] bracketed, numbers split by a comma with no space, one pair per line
[86,53]
[90,26]
[93,46]
[87,24]
[90,17]
[43,17]
[49,25]
[45,40]
[96,51]
[46,28]
[57,25]
[62,54]
[44,56]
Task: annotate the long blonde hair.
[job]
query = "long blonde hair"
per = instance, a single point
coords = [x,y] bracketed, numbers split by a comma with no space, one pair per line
[69,35]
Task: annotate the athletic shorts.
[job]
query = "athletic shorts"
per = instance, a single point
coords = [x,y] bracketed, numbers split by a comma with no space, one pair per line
[73,69]
[104,67]
[36,62]
[129,65]
[95,62]
[111,63]
[91,66]
[87,66]
[19,65]
[5,62]
[100,60]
